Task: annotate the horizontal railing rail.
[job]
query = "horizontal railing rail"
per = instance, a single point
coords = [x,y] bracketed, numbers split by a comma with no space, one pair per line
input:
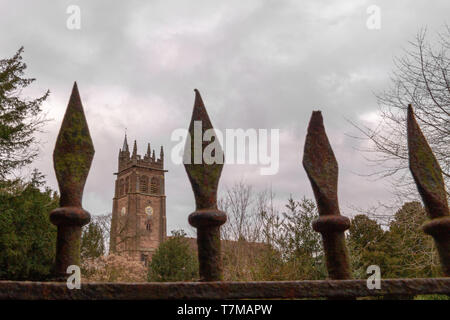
[305,289]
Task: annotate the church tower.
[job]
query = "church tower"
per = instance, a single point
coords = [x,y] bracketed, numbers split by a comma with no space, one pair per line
[138,222]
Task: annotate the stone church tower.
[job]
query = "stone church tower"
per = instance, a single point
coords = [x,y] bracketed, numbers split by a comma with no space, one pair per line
[138,222]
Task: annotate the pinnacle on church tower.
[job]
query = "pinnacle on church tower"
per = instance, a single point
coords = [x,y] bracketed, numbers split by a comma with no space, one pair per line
[148,154]
[134,150]
[125,144]
[161,153]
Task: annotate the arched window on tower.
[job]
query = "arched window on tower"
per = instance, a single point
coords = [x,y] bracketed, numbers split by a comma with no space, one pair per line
[121,187]
[127,184]
[143,184]
[154,186]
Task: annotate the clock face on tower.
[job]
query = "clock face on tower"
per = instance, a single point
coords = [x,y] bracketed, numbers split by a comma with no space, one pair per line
[149,211]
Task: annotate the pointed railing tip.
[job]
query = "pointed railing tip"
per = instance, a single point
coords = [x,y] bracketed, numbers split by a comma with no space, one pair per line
[204,172]
[427,175]
[75,99]
[322,170]
[198,99]
[425,169]
[204,177]
[73,153]
[316,119]
[320,164]
[199,113]
[72,158]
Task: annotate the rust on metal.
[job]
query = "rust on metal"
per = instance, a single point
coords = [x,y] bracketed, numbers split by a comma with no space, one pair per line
[204,179]
[72,158]
[427,175]
[322,170]
[341,289]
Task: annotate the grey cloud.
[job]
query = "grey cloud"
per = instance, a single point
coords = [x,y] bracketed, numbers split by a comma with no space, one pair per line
[258,64]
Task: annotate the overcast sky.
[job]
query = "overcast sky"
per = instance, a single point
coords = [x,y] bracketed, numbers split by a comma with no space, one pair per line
[258,64]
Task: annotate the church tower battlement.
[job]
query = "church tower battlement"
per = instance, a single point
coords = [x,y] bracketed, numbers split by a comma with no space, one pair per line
[138,222]
[149,160]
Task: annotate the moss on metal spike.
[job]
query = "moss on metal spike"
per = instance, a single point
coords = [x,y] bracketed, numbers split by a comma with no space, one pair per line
[73,153]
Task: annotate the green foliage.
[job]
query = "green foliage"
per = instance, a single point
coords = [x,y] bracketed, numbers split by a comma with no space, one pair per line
[19,118]
[174,260]
[402,251]
[27,237]
[367,246]
[412,252]
[92,242]
[432,297]
[289,249]
[300,245]
[268,266]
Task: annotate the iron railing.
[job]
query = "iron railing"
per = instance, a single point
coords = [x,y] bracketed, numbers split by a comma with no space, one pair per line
[72,158]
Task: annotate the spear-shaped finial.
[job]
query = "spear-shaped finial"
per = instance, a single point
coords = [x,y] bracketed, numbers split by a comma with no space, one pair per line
[197,169]
[321,165]
[72,158]
[73,153]
[427,175]
[204,178]
[322,170]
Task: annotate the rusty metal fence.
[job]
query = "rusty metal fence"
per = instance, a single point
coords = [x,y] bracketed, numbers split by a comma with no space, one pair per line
[72,159]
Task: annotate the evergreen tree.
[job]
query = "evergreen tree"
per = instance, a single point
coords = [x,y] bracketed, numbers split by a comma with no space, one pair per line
[402,251]
[367,246]
[412,252]
[27,237]
[92,242]
[174,260]
[19,117]
[300,244]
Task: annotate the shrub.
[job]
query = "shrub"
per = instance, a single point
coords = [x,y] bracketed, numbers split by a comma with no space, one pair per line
[174,260]
[113,268]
